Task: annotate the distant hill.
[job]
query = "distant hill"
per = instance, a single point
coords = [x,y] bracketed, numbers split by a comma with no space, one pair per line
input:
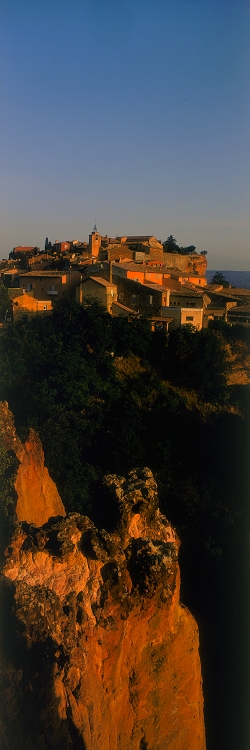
[240,279]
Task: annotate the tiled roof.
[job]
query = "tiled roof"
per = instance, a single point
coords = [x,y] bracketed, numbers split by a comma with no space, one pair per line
[155,287]
[142,267]
[137,238]
[99,280]
[183,292]
[43,273]
[240,309]
[124,307]
[222,295]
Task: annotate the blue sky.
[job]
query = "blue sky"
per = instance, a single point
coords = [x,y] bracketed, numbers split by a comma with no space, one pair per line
[133,114]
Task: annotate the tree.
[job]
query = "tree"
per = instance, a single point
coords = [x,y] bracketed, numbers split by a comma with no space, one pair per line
[218,278]
[203,252]
[4,301]
[7,471]
[170,245]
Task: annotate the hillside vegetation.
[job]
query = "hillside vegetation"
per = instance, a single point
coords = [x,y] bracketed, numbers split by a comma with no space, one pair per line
[108,395]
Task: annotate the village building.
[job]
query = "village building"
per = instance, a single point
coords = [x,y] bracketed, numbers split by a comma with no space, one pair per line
[186,297]
[49,284]
[146,299]
[98,288]
[184,316]
[10,277]
[24,250]
[25,307]
[157,272]
[218,303]
[239,315]
[121,310]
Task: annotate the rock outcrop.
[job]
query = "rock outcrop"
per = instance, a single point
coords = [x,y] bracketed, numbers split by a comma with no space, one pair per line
[103,656]
[37,495]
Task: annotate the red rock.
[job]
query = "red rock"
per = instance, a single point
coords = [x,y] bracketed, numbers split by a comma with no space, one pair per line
[37,495]
[108,657]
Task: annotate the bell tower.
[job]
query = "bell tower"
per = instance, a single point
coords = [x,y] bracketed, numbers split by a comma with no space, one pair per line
[94,242]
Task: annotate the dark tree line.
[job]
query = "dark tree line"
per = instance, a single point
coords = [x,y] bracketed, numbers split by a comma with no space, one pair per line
[107,394]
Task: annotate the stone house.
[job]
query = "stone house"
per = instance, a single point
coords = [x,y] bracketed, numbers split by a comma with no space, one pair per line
[99,288]
[147,298]
[186,307]
[25,306]
[238,315]
[183,316]
[49,284]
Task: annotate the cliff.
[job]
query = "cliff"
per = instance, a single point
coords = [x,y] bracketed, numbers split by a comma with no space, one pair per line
[99,653]
[37,495]
[188,263]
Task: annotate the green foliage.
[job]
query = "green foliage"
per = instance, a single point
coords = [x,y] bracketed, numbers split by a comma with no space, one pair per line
[195,360]
[4,301]
[170,246]
[218,278]
[131,336]
[60,376]
[7,472]
[230,333]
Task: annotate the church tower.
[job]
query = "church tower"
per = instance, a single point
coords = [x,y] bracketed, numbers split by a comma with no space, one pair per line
[94,242]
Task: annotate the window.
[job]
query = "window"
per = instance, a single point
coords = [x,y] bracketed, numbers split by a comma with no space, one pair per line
[133,298]
[121,296]
[189,317]
[150,299]
[52,287]
[45,307]
[29,287]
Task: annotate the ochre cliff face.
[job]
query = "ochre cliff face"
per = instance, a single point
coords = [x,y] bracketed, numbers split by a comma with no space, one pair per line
[105,656]
[187,263]
[37,495]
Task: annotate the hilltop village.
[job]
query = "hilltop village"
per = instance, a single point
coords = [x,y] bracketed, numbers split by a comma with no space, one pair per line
[129,275]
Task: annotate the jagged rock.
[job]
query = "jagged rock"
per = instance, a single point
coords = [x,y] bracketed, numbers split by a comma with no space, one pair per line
[37,495]
[103,657]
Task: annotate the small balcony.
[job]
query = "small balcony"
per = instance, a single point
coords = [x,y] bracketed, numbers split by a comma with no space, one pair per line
[52,292]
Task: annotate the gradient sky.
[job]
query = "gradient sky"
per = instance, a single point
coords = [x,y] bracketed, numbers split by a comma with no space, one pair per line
[133,114]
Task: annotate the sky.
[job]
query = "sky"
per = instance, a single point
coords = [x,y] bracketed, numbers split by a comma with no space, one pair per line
[132,114]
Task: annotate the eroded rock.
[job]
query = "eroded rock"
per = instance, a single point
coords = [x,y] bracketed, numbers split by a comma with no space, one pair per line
[37,495]
[105,656]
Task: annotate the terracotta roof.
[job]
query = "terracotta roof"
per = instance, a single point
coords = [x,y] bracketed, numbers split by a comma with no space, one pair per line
[186,293]
[137,237]
[240,309]
[155,287]
[43,273]
[142,267]
[221,294]
[99,280]
[124,307]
